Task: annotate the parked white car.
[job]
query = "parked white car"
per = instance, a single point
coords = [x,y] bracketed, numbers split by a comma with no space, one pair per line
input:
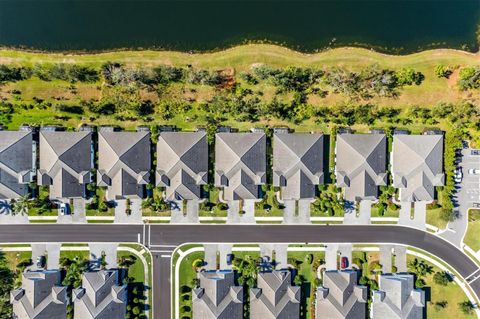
[458,175]
[474,171]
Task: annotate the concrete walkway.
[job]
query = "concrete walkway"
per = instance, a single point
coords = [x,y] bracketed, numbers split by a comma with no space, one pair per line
[8,218]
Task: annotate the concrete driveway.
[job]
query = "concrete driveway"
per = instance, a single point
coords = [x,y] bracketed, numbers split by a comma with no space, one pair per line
[77,214]
[333,253]
[234,216]
[400,260]
[467,192]
[296,212]
[51,251]
[280,250]
[212,251]
[135,216]
[97,250]
[79,211]
[362,217]
[418,219]
[190,215]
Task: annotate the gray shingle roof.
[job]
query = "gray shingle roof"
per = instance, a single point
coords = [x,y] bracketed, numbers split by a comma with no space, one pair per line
[297,164]
[100,297]
[397,298]
[124,163]
[182,164]
[361,164]
[274,296]
[15,163]
[65,163]
[240,164]
[217,297]
[417,162]
[340,296]
[40,297]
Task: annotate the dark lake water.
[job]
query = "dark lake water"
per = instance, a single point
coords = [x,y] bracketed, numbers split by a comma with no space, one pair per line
[400,26]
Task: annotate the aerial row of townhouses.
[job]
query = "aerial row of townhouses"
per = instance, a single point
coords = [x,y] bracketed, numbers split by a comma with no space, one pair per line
[218,297]
[101,295]
[339,297]
[67,161]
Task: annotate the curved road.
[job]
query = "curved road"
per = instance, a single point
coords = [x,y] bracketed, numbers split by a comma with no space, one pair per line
[166,235]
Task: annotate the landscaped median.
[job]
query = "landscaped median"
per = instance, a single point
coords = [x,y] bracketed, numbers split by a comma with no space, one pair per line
[472,238]
[447,294]
[134,262]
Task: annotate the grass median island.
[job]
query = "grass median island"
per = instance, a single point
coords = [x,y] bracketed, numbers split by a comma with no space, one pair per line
[472,236]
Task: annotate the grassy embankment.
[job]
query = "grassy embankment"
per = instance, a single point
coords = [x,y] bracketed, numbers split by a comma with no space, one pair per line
[432,91]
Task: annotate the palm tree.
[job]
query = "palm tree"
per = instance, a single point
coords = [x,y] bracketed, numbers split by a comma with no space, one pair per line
[20,206]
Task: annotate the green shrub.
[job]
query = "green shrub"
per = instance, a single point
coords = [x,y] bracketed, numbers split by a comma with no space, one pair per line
[469,78]
[442,71]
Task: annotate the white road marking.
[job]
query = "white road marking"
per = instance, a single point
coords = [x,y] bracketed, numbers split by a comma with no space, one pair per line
[172,246]
[473,273]
[138,238]
[166,256]
[149,234]
[470,281]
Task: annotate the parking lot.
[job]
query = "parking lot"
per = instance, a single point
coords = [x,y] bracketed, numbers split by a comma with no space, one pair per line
[467,193]
[470,184]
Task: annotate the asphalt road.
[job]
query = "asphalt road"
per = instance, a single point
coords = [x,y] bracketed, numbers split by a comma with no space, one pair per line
[179,234]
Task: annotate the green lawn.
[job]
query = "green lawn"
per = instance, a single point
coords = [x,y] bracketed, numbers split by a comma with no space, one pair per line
[213,199]
[187,275]
[388,212]
[472,238]
[307,272]
[452,293]
[137,270]
[433,218]
[100,192]
[270,206]
[83,254]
